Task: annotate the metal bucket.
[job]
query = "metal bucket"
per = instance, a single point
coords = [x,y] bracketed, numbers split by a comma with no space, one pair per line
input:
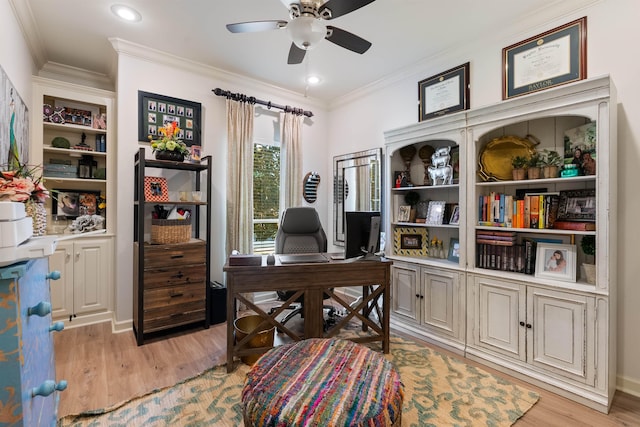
[243,326]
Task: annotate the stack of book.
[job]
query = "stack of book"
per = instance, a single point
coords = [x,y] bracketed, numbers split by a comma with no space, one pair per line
[532,210]
[498,250]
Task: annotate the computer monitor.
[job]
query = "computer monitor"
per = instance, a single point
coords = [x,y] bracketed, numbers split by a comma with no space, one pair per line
[362,234]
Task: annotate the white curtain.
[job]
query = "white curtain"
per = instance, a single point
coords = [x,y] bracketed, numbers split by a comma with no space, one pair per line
[291,146]
[240,177]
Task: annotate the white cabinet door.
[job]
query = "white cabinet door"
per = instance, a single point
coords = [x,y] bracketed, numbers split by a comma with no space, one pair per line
[501,316]
[440,304]
[62,289]
[91,259]
[561,340]
[405,290]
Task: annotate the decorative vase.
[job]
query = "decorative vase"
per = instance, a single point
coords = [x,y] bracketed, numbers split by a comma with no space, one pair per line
[518,174]
[533,172]
[174,156]
[38,213]
[590,273]
[550,171]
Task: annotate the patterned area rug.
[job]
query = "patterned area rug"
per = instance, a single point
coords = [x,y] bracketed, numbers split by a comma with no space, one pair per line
[439,391]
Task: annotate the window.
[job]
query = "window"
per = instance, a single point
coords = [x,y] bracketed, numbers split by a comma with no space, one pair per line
[266,196]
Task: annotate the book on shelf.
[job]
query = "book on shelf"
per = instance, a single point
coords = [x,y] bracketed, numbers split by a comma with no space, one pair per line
[574,225]
[529,256]
[504,258]
[534,210]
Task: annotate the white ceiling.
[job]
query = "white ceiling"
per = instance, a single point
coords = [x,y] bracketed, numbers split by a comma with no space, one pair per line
[403,33]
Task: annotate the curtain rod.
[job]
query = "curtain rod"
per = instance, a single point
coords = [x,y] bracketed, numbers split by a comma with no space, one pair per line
[253,100]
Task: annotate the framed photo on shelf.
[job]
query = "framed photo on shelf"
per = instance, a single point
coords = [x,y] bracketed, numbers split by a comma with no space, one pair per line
[75,203]
[155,189]
[444,93]
[550,59]
[435,214]
[556,261]
[577,205]
[404,213]
[155,111]
[454,250]
[455,215]
[410,241]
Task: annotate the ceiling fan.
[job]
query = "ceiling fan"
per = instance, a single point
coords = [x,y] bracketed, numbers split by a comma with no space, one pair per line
[307,26]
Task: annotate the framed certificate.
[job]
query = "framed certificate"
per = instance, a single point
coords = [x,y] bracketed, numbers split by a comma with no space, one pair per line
[553,58]
[444,93]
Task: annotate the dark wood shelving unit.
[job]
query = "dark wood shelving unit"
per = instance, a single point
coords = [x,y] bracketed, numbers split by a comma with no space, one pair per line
[171,281]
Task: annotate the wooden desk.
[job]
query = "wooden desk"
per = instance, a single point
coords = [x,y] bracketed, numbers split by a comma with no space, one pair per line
[312,281]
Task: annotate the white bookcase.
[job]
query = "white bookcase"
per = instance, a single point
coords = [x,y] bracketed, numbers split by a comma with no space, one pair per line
[553,331]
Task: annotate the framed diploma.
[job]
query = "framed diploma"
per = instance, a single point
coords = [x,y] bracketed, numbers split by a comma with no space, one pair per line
[553,58]
[444,93]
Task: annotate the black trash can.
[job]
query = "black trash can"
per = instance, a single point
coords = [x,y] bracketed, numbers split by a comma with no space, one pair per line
[218,302]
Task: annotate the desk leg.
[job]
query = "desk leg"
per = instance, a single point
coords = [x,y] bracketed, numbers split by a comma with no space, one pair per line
[386,309]
[365,295]
[313,314]
[231,314]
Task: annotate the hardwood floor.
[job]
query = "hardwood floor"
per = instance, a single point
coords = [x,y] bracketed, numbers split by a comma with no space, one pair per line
[103,369]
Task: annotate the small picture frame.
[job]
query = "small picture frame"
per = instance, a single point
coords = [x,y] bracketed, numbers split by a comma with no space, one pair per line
[404,213]
[155,189]
[72,204]
[556,261]
[444,93]
[454,250]
[577,205]
[195,154]
[553,58]
[435,214]
[455,216]
[411,241]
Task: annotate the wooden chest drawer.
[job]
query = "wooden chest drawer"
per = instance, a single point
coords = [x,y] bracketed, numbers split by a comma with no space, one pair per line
[172,316]
[193,252]
[175,276]
[171,296]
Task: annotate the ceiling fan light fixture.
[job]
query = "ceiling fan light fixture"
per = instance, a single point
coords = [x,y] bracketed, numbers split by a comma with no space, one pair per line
[306,31]
[126,13]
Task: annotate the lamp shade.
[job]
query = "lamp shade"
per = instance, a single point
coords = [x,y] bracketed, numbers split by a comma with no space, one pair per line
[306,31]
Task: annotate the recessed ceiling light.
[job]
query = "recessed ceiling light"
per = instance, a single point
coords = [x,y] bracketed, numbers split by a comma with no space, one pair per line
[313,80]
[125,12]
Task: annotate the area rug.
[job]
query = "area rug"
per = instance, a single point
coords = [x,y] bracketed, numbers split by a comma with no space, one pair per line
[439,391]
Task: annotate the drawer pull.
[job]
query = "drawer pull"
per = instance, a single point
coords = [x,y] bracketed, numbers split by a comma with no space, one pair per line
[48,387]
[176,256]
[54,275]
[180,275]
[177,294]
[42,309]
[58,326]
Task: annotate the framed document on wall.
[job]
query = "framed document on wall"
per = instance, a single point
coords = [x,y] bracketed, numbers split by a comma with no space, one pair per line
[444,93]
[553,58]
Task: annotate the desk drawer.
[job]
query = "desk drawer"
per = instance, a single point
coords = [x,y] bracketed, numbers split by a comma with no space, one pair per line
[178,254]
[175,276]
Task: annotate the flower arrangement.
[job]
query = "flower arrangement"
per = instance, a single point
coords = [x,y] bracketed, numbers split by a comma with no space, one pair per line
[169,140]
[21,185]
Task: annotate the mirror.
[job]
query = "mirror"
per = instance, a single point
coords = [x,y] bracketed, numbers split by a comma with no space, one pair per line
[356,186]
[310,186]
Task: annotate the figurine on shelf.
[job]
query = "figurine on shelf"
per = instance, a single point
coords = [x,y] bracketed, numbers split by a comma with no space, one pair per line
[440,171]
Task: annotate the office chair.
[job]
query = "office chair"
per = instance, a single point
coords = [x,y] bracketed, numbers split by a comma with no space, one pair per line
[300,231]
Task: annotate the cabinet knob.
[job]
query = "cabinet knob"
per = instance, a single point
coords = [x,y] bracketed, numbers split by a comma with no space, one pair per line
[54,275]
[417,295]
[58,326]
[48,387]
[521,323]
[41,309]
[528,325]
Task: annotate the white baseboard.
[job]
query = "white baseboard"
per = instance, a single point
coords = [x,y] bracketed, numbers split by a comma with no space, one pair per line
[628,385]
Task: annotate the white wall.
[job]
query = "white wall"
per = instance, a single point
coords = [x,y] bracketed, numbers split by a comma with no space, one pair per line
[15,58]
[195,84]
[612,30]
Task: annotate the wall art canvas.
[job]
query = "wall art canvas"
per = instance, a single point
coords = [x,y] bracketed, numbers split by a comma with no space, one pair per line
[14,125]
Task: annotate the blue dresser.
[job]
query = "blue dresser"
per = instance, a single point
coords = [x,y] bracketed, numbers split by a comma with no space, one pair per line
[29,390]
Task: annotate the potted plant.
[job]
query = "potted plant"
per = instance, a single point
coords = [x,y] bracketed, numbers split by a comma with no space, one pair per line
[169,147]
[412,198]
[519,163]
[551,162]
[588,245]
[534,163]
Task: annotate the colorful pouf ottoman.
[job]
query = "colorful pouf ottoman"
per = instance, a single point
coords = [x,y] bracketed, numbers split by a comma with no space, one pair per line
[322,382]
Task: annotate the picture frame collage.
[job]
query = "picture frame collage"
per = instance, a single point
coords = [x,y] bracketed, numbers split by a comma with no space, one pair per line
[155,111]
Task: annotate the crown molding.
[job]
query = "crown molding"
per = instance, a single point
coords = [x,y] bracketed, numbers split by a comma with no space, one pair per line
[56,71]
[24,16]
[124,47]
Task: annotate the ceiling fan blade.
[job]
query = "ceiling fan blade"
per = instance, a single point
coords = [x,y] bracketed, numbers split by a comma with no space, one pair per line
[342,7]
[347,40]
[296,55]
[256,26]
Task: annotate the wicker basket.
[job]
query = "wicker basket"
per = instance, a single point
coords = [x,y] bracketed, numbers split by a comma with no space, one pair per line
[165,231]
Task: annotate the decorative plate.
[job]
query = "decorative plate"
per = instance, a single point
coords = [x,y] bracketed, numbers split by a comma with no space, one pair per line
[495,159]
